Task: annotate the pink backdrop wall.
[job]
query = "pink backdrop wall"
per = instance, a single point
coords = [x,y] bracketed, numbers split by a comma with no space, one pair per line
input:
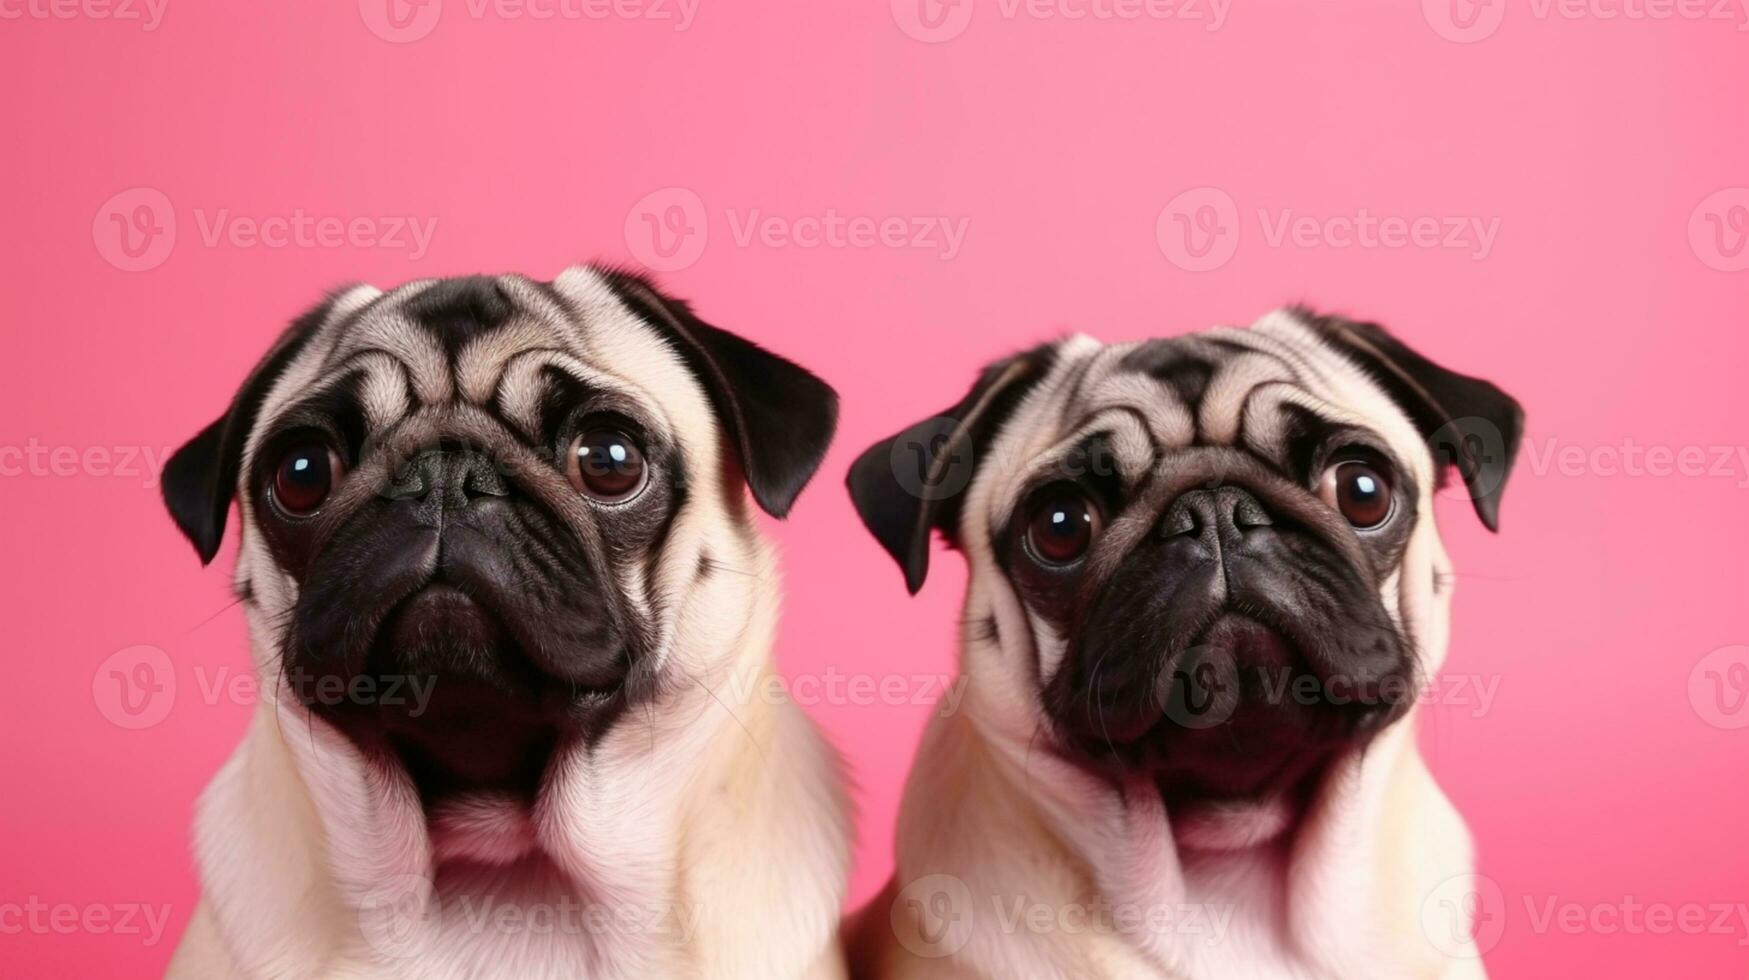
[1596,164]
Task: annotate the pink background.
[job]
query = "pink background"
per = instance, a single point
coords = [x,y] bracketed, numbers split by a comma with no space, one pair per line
[1598,775]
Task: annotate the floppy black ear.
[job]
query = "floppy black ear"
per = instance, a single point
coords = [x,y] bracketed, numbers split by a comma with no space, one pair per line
[201,477]
[779,416]
[905,486]
[1467,422]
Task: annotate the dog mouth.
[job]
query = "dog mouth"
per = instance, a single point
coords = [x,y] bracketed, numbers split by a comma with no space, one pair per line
[448,692]
[444,632]
[1242,717]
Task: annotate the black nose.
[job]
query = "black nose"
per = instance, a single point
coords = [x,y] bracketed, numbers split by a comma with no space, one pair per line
[1218,514]
[447,478]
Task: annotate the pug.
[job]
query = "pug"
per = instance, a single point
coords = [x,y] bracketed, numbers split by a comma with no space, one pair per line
[1205,590]
[502,578]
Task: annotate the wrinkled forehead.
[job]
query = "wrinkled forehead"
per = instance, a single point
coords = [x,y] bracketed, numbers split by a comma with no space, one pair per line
[494,343]
[1257,389]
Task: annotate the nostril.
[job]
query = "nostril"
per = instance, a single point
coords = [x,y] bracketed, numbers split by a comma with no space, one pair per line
[1221,510]
[1180,520]
[408,483]
[1248,513]
[482,478]
[452,476]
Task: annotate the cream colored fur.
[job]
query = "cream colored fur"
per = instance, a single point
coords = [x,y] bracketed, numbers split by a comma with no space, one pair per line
[702,836]
[991,827]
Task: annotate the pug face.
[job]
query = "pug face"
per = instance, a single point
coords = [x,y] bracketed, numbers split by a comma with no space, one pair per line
[516,497]
[1208,561]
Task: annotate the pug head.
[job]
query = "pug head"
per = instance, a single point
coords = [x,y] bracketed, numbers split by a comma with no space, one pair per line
[485,517]
[1208,562]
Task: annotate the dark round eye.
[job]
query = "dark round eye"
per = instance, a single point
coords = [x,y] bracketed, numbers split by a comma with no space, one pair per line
[306,474]
[1061,527]
[605,464]
[1360,491]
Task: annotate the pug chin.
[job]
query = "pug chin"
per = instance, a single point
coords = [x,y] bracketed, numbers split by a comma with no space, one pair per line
[1234,825]
[1282,747]
[1236,732]
[492,719]
[486,720]
[479,748]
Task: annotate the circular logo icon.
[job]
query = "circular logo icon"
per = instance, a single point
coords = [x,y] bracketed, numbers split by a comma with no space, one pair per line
[1464,21]
[1464,915]
[933,916]
[667,229]
[932,21]
[1718,688]
[1199,229]
[135,687]
[400,21]
[1718,230]
[393,916]
[1477,448]
[1201,689]
[927,464]
[135,230]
